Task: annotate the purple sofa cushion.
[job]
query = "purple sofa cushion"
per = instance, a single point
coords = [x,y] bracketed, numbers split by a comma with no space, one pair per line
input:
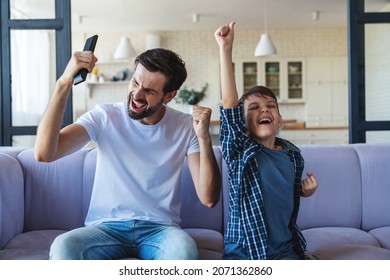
[209,243]
[193,213]
[337,201]
[375,168]
[32,245]
[11,198]
[353,252]
[207,239]
[382,235]
[24,254]
[322,238]
[53,191]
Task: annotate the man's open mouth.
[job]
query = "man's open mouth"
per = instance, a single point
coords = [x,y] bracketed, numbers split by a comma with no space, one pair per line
[137,106]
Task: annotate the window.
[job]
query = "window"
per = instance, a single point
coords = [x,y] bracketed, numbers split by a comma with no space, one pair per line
[369,61]
[36,46]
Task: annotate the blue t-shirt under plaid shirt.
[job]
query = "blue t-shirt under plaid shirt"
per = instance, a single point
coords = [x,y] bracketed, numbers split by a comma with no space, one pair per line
[246,224]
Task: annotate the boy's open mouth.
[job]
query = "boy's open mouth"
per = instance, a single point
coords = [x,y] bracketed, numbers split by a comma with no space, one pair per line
[265,121]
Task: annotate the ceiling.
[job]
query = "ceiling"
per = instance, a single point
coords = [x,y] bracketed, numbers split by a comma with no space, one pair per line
[170,15]
[180,15]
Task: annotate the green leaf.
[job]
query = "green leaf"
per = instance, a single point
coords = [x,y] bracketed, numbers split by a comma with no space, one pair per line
[191,96]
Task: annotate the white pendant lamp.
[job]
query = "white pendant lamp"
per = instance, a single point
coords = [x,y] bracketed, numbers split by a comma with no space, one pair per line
[265,47]
[125,49]
[152,41]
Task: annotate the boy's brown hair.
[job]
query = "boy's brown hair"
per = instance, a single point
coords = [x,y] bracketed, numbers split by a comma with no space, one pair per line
[259,91]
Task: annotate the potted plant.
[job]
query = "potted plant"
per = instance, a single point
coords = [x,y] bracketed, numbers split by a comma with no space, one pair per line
[191,96]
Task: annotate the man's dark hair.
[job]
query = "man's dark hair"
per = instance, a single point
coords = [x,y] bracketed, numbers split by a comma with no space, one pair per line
[259,91]
[167,63]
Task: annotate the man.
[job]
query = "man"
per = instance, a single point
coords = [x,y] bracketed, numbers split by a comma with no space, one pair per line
[142,143]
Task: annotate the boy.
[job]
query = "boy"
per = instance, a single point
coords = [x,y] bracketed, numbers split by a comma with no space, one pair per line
[264,171]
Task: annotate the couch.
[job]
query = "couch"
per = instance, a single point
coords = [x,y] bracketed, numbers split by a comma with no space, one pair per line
[347,218]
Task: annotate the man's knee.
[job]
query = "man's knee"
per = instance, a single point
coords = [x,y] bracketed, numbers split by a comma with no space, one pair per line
[65,247]
[181,246]
[189,250]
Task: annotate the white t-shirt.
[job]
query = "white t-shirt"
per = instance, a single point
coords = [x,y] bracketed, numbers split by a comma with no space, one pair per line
[138,166]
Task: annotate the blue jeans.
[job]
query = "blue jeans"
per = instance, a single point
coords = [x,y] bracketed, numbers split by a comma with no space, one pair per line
[237,252]
[124,239]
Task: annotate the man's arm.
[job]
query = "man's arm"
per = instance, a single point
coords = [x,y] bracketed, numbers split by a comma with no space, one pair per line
[225,37]
[203,165]
[52,142]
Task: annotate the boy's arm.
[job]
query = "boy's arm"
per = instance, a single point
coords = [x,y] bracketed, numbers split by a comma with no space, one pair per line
[52,142]
[309,185]
[225,37]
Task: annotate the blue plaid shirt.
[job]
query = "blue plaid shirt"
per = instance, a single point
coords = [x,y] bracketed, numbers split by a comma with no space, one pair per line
[246,224]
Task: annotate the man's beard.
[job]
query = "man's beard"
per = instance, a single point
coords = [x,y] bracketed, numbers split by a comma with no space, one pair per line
[144,114]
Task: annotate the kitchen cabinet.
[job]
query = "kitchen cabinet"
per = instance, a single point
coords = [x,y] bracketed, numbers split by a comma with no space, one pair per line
[298,135]
[246,73]
[295,81]
[285,77]
[327,91]
[272,75]
[250,75]
[315,136]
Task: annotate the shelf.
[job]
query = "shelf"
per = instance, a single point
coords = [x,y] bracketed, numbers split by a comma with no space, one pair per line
[250,74]
[295,74]
[113,62]
[92,85]
[108,83]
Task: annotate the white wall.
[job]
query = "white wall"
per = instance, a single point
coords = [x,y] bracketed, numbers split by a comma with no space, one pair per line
[200,52]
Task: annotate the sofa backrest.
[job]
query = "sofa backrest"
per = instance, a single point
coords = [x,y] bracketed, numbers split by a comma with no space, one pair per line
[11,196]
[354,190]
[58,193]
[193,213]
[375,176]
[338,199]
[54,191]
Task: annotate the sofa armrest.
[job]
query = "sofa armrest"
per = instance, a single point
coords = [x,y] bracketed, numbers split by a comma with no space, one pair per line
[11,198]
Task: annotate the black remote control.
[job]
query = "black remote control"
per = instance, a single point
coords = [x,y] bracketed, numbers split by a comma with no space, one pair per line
[89,46]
